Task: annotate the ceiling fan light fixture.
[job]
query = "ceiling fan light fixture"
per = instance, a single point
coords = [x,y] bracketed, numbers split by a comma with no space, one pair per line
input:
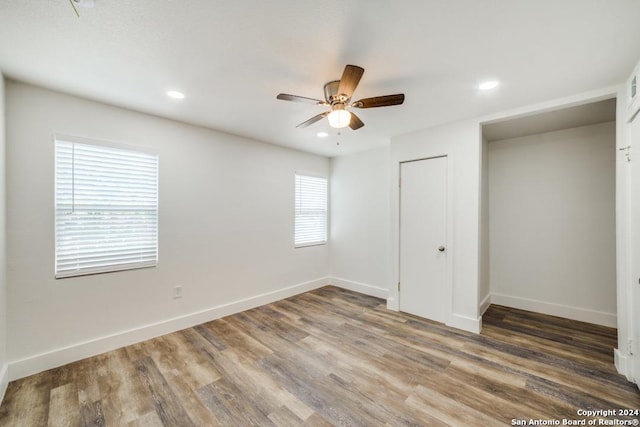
[339,119]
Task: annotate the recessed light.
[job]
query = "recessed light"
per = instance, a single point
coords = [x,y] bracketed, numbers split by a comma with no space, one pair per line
[322,134]
[488,85]
[175,94]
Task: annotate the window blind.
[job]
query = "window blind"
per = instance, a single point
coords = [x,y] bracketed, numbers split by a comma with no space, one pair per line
[311,210]
[106,208]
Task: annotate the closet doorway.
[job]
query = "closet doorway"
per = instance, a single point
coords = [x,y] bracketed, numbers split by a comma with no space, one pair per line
[548,208]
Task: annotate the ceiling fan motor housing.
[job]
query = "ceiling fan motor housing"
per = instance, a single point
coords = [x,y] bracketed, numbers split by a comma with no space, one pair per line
[331,93]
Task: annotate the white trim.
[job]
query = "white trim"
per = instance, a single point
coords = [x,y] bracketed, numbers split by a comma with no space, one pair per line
[111,144]
[465,323]
[4,380]
[566,311]
[621,360]
[484,305]
[363,288]
[61,356]
[455,320]
[624,277]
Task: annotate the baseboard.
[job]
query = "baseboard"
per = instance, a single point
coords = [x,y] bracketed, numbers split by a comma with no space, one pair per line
[62,356]
[566,311]
[484,305]
[4,381]
[465,323]
[456,321]
[363,288]
[621,360]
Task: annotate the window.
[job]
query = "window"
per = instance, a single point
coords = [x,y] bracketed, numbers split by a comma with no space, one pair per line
[106,208]
[311,210]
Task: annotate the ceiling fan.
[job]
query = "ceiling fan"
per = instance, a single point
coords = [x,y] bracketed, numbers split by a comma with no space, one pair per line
[337,96]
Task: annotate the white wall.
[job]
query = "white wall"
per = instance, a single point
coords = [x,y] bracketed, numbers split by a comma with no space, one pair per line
[552,223]
[360,223]
[4,377]
[225,231]
[461,142]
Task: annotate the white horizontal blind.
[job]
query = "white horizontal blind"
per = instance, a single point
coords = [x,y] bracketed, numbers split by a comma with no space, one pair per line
[106,209]
[311,210]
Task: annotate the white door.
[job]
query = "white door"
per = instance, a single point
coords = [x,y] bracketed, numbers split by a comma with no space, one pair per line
[634,142]
[423,252]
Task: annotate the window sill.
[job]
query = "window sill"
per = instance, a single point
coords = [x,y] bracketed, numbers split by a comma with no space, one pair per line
[306,245]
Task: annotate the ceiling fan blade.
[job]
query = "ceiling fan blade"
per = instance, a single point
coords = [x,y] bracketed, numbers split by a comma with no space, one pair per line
[379,101]
[296,98]
[350,78]
[355,122]
[313,119]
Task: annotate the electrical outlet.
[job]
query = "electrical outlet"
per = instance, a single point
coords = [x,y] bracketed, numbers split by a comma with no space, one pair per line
[177,291]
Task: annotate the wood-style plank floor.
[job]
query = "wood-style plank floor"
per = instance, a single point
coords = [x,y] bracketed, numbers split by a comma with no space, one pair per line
[335,357]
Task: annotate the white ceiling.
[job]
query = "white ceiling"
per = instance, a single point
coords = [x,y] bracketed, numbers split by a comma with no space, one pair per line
[232,58]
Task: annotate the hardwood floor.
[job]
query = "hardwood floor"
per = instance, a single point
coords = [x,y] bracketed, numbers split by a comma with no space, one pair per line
[334,357]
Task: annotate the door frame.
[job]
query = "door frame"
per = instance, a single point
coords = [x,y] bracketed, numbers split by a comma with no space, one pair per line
[393,303]
[627,357]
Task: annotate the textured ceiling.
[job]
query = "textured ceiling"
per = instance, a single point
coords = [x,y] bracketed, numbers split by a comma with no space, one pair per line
[231,59]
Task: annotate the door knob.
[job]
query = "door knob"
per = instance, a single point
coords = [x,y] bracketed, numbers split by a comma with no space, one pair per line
[441,248]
